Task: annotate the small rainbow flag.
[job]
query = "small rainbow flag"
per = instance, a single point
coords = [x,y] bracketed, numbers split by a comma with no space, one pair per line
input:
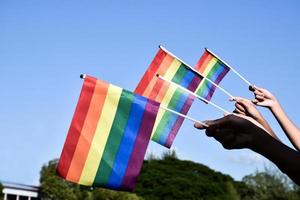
[108,136]
[211,68]
[167,124]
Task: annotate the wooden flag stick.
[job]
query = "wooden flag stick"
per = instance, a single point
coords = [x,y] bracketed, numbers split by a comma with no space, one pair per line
[194,94]
[182,115]
[82,76]
[236,72]
[199,74]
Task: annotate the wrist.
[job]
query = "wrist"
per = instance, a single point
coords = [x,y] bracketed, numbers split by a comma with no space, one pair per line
[260,140]
[275,107]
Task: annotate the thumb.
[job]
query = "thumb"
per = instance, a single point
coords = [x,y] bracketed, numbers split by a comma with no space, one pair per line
[217,123]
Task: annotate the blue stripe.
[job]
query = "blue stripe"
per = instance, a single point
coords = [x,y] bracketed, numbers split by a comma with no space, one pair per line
[127,142]
[207,86]
[187,79]
[171,122]
[217,73]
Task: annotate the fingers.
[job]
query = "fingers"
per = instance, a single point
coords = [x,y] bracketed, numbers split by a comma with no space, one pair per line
[256,92]
[237,111]
[240,107]
[225,136]
[199,126]
[218,123]
[260,97]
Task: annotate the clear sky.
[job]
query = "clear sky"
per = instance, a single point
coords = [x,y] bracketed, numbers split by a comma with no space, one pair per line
[46,45]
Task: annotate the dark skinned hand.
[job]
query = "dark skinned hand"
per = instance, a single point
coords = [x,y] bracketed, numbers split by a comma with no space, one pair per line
[232,131]
[237,132]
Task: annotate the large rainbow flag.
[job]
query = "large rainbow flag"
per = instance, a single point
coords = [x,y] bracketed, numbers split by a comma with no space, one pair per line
[108,136]
[167,124]
[211,68]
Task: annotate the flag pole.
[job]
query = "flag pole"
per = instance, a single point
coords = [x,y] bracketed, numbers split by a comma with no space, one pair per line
[236,72]
[83,76]
[194,94]
[222,89]
[184,116]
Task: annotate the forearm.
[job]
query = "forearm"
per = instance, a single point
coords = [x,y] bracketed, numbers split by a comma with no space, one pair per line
[287,125]
[286,159]
[266,125]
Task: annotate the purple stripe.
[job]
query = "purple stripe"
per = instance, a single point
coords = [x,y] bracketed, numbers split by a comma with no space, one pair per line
[217,81]
[140,146]
[179,121]
[192,87]
[195,83]
[221,76]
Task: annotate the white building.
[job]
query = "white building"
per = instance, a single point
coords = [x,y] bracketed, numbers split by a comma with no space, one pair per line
[14,191]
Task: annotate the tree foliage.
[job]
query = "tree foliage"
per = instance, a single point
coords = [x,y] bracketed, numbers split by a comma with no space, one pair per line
[269,184]
[55,188]
[170,178]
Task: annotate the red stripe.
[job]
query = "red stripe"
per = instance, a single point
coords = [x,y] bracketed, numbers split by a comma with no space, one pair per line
[82,107]
[150,73]
[201,61]
[140,146]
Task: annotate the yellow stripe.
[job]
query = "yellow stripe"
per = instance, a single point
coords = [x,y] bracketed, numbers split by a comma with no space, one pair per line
[170,92]
[170,73]
[102,131]
[166,100]
[210,65]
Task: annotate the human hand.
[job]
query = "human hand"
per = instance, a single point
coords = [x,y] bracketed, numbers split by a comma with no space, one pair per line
[263,97]
[246,107]
[234,131]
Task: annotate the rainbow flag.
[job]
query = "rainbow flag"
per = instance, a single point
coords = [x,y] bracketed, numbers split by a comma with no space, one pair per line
[108,136]
[167,124]
[212,68]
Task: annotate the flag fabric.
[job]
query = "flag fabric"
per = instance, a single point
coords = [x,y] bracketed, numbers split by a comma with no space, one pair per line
[211,68]
[167,124]
[108,136]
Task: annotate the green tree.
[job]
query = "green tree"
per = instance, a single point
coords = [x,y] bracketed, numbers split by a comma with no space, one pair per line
[55,188]
[269,184]
[171,178]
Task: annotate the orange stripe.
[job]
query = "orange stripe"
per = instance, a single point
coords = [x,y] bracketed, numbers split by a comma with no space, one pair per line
[161,71]
[205,63]
[162,92]
[156,89]
[88,131]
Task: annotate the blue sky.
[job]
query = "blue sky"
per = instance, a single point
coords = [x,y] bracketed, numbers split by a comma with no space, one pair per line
[46,45]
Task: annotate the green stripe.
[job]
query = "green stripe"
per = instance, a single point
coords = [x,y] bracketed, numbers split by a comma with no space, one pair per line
[164,120]
[115,136]
[177,78]
[204,86]
[179,75]
[214,69]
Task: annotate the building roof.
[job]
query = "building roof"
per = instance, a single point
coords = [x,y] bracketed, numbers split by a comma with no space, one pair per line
[19,186]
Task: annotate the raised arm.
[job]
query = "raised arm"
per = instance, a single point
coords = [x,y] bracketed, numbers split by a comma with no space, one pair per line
[237,132]
[266,99]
